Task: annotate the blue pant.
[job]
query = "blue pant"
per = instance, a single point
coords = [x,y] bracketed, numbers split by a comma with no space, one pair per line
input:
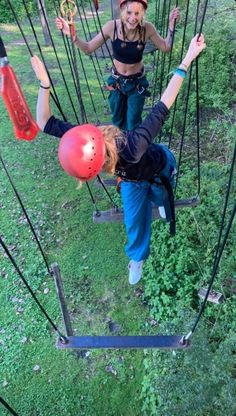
[127,101]
[137,199]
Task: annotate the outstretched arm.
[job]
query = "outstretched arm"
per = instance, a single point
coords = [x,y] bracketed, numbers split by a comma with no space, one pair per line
[43,110]
[93,44]
[164,45]
[143,136]
[195,48]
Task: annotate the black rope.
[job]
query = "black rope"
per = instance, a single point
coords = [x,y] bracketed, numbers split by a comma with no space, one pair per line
[156,65]
[219,250]
[163,29]
[69,54]
[181,57]
[106,190]
[198,114]
[104,39]
[172,43]
[55,98]
[8,407]
[198,130]
[97,30]
[25,213]
[164,54]
[226,199]
[203,17]
[215,269]
[96,27]
[184,128]
[185,118]
[58,61]
[78,88]
[30,290]
[95,54]
[93,200]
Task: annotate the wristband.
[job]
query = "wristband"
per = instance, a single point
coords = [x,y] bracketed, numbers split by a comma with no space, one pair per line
[45,88]
[181,72]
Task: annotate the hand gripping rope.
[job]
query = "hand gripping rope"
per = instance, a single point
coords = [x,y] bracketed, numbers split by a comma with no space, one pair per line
[23,123]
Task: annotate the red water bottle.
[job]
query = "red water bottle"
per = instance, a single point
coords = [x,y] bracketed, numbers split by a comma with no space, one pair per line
[24,125]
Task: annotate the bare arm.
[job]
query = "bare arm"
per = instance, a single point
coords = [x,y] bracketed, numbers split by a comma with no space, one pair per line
[93,44]
[43,109]
[172,90]
[164,45]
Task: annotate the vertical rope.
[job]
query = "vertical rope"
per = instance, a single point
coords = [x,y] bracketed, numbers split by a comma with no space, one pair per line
[54,96]
[60,67]
[25,213]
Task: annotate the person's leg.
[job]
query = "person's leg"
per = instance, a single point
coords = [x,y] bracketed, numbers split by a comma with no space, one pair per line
[137,219]
[118,106]
[135,103]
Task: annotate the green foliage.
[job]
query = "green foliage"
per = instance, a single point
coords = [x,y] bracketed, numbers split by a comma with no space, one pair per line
[199,381]
[173,270]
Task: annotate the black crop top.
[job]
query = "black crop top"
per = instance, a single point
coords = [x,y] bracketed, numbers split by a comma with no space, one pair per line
[127,52]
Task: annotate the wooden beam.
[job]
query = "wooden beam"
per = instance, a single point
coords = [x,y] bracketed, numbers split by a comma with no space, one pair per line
[117,214]
[172,342]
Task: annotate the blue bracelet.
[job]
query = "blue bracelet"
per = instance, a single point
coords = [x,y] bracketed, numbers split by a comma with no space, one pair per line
[181,72]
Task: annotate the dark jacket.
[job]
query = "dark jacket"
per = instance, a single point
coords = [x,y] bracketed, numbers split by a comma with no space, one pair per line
[139,158]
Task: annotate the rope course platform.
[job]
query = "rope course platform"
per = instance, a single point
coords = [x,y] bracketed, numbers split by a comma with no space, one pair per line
[95,342]
[117,214]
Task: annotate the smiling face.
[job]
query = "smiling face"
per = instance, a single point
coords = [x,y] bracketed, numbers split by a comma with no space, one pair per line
[132,14]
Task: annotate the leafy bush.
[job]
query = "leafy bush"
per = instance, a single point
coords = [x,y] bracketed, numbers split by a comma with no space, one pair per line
[199,381]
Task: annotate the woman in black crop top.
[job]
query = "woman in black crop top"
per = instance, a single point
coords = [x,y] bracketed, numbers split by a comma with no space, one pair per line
[129,34]
[146,169]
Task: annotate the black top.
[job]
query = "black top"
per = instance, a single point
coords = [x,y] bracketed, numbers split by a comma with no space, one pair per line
[127,52]
[139,158]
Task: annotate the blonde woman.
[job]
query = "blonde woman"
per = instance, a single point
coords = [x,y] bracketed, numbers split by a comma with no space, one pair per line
[146,169]
[129,35]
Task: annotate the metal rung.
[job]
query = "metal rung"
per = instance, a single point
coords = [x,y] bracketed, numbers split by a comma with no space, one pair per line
[117,214]
[156,341]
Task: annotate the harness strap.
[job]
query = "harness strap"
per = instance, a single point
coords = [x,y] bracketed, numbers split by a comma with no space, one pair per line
[169,203]
[115,30]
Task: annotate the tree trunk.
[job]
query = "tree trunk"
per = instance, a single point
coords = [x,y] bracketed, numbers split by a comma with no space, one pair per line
[44,20]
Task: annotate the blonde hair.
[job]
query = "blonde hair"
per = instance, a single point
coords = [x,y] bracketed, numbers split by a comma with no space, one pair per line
[124,9]
[110,134]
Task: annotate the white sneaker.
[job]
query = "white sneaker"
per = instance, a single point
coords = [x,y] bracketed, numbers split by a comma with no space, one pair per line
[162,212]
[135,271]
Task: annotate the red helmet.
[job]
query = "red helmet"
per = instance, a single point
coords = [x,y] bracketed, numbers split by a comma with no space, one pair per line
[144,2]
[82,152]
